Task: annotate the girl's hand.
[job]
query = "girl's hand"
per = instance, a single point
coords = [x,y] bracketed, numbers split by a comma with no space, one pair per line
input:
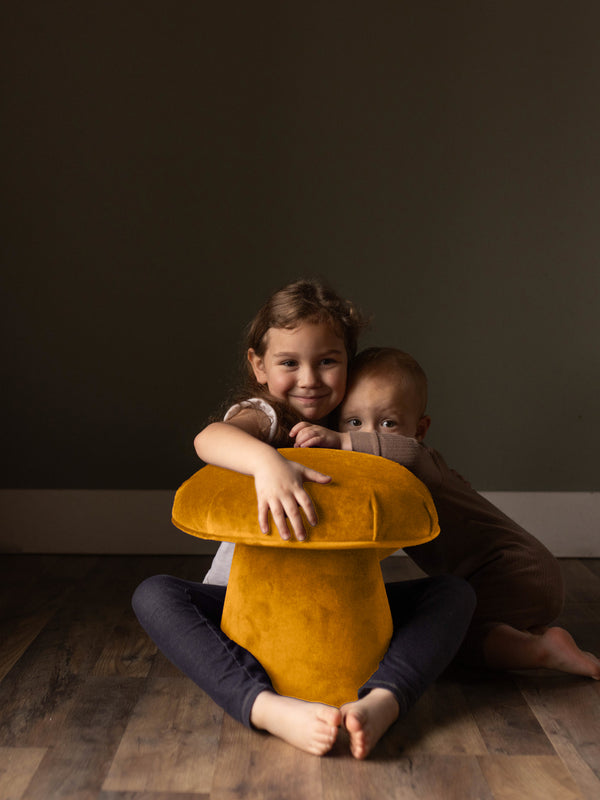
[279,490]
[309,435]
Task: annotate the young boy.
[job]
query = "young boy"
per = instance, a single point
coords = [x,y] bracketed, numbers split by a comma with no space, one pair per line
[517,581]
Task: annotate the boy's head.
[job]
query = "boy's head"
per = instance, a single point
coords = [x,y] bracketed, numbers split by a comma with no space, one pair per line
[387,393]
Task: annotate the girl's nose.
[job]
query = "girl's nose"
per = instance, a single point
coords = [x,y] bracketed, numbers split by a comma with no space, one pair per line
[309,377]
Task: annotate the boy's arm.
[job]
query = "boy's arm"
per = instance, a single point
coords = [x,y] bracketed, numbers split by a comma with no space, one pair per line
[401,449]
[404,450]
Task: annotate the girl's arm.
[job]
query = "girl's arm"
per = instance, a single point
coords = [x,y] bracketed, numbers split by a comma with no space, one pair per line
[236,445]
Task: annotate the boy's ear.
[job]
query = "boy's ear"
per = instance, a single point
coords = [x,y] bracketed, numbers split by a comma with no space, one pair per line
[258,367]
[422,428]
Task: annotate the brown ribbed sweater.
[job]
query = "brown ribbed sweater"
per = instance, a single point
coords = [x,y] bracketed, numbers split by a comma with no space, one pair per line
[517,580]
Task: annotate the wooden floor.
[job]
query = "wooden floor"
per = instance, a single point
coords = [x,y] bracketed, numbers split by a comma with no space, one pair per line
[89,709]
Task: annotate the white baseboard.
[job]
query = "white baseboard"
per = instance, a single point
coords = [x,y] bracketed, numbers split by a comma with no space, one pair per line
[568,523]
[139,522]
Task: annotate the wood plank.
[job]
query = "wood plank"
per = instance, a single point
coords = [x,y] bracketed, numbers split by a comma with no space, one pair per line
[69,666]
[568,708]
[26,582]
[434,777]
[581,584]
[506,722]
[91,594]
[17,634]
[162,668]
[32,590]
[257,766]
[17,767]
[128,650]
[152,796]
[534,777]
[36,695]
[171,741]
[18,574]
[592,564]
[441,722]
[76,764]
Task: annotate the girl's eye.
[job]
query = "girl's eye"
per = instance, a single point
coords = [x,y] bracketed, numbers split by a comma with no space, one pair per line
[326,362]
[288,363]
[388,423]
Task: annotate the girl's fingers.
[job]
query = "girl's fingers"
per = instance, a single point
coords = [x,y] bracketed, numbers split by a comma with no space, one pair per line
[306,504]
[263,517]
[290,511]
[285,506]
[295,518]
[317,477]
[280,523]
[278,513]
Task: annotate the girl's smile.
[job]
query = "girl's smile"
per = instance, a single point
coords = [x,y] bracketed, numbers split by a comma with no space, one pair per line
[305,367]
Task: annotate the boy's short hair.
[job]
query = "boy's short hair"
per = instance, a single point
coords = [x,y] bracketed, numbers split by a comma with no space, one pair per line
[382,361]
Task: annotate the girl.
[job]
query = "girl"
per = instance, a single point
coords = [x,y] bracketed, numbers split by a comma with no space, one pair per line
[298,350]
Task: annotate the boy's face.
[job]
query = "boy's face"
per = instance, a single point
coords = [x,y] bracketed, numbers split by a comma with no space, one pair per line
[384,404]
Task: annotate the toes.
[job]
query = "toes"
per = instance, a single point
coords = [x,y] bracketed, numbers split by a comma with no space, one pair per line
[358,748]
[323,741]
[353,722]
[333,716]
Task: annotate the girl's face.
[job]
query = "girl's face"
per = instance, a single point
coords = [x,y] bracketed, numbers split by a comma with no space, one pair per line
[304,367]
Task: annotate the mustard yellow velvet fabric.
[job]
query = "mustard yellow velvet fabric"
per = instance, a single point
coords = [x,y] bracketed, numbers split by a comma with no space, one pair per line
[314,613]
[317,620]
[369,502]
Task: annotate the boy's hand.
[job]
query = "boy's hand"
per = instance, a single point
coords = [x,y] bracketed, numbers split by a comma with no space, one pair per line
[308,435]
[280,490]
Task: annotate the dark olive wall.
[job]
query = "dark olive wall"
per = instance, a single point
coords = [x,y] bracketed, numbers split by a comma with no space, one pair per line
[168,165]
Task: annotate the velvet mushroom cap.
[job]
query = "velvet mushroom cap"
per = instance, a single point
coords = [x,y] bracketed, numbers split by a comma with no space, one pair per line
[370,502]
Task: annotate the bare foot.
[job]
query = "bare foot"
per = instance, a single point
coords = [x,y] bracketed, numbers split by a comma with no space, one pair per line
[548,648]
[367,719]
[559,651]
[311,727]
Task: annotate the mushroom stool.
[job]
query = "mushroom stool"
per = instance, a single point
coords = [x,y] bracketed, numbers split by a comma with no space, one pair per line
[314,613]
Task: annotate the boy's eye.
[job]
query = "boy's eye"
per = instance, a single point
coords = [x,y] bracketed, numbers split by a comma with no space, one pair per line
[388,423]
[354,423]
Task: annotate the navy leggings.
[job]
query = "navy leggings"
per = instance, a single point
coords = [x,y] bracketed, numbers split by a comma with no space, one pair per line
[430,617]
